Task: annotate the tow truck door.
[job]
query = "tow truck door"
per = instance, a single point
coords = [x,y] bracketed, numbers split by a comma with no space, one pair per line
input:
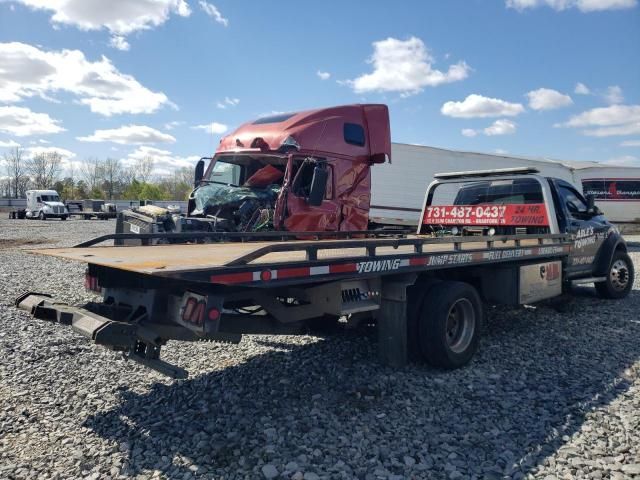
[587,231]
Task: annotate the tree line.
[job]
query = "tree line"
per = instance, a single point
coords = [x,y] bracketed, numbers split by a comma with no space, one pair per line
[107,179]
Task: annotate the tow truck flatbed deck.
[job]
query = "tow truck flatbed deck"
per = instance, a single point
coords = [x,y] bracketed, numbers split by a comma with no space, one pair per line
[225,262]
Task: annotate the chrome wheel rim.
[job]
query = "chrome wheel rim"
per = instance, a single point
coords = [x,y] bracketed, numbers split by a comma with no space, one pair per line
[619,275]
[461,323]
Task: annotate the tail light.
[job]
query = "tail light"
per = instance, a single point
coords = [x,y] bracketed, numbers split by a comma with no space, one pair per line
[91,283]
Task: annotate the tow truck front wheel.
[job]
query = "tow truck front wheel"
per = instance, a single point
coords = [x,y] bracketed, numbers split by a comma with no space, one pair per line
[42,216]
[620,277]
[450,322]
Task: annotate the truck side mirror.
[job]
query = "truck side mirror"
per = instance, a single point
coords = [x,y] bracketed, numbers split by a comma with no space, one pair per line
[199,172]
[318,186]
[591,205]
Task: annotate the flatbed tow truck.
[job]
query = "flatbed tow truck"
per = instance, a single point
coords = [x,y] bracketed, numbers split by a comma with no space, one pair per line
[426,291]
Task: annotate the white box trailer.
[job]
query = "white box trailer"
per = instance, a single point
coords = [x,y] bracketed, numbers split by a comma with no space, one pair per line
[398,187]
[616,188]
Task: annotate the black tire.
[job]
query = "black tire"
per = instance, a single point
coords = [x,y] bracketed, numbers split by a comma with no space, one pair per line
[64,217]
[620,276]
[42,216]
[451,318]
[415,298]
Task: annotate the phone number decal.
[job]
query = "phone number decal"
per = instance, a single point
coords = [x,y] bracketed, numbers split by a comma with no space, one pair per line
[510,214]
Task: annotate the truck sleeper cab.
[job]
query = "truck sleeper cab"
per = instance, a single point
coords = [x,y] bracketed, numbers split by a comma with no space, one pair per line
[297,172]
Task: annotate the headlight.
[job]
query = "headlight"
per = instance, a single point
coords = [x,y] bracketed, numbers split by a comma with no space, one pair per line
[455,230]
[491,232]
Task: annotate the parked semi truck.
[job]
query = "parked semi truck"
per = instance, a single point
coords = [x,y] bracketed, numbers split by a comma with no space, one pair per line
[41,204]
[426,292]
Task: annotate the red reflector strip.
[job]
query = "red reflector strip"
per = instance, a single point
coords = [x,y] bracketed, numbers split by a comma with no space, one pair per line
[418,261]
[240,277]
[344,268]
[294,272]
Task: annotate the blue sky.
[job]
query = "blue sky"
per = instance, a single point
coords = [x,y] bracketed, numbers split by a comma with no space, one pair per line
[130,78]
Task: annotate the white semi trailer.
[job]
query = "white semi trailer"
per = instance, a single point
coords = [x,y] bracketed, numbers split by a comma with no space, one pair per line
[397,187]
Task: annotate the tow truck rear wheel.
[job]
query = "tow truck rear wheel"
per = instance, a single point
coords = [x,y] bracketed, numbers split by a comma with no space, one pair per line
[449,326]
[416,294]
[620,277]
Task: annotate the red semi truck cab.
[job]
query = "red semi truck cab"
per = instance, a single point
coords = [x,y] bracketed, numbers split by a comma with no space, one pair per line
[304,171]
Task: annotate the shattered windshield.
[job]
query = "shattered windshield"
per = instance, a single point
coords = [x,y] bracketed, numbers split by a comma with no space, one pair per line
[226,173]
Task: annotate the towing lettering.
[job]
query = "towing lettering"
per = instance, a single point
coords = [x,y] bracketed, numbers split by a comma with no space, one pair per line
[378,265]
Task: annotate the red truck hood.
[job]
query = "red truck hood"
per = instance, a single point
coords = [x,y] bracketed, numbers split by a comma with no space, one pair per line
[318,131]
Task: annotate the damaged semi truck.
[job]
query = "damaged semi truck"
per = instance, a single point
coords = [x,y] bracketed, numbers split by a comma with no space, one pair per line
[305,171]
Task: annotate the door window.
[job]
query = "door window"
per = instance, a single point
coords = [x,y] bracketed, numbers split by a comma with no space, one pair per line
[574,202]
[301,186]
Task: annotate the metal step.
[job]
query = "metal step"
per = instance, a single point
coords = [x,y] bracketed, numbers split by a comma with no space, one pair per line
[583,281]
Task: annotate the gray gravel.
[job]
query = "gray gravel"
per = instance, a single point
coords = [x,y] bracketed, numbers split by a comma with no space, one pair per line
[553,393]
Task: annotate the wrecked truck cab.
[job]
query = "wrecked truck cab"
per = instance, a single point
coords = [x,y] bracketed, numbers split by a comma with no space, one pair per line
[298,172]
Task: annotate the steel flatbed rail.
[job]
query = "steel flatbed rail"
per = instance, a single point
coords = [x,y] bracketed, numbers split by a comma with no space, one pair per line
[268,263]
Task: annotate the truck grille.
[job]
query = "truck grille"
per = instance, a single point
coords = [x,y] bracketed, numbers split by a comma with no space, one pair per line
[58,210]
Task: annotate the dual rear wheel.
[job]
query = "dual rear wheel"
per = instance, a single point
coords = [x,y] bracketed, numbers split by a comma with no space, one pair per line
[444,322]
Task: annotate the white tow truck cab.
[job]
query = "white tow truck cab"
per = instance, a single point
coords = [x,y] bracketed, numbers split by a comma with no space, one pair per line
[43,204]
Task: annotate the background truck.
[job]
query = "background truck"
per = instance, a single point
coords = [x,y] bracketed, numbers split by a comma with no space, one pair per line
[42,204]
[92,208]
[528,238]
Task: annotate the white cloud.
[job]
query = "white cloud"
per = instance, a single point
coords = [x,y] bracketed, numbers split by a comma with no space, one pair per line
[625,161]
[213,12]
[9,144]
[164,162]
[404,66]
[23,122]
[129,135]
[120,43]
[214,128]
[581,89]
[228,102]
[616,120]
[618,130]
[63,152]
[119,17]
[323,75]
[613,95]
[27,71]
[582,5]
[500,127]
[630,143]
[500,151]
[173,124]
[548,99]
[606,116]
[477,106]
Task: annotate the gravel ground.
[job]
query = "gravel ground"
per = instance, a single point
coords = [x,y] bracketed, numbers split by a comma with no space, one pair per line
[553,393]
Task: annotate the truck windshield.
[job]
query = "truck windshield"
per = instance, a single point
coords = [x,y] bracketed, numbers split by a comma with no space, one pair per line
[50,198]
[226,173]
